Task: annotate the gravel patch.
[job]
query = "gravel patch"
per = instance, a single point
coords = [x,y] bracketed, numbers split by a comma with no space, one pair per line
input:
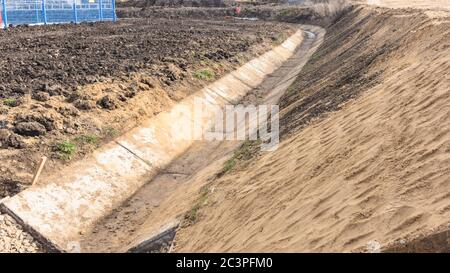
[14,240]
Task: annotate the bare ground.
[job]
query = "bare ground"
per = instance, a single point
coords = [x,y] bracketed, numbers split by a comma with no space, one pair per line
[65,89]
[380,131]
[364,161]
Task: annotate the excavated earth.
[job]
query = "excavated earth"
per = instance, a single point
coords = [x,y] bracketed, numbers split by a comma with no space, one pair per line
[66,89]
[317,12]
[364,160]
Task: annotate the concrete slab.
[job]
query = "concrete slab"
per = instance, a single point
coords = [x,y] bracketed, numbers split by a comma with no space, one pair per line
[70,202]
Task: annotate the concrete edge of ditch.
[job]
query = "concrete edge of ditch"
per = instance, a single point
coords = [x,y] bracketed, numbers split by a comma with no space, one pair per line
[58,211]
[152,234]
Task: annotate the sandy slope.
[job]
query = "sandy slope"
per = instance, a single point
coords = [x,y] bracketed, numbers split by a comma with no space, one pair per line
[377,170]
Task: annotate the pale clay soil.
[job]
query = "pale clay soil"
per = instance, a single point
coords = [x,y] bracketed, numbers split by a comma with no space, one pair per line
[390,144]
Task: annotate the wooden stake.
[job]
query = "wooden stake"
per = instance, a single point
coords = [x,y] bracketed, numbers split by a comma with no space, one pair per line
[39,170]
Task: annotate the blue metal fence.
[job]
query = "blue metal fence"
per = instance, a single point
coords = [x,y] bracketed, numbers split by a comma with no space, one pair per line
[19,12]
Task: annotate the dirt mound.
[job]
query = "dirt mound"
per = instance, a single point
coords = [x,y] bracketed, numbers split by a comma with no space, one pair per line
[319,12]
[364,161]
[57,59]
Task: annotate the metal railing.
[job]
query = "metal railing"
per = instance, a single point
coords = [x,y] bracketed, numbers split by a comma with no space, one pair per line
[32,12]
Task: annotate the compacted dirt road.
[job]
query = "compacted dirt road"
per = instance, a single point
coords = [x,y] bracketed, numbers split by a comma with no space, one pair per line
[158,203]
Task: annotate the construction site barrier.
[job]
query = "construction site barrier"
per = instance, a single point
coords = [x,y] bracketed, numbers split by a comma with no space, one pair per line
[35,12]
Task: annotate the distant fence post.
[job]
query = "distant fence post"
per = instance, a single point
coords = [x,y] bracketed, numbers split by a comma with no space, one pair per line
[4,14]
[36,10]
[44,11]
[114,10]
[100,10]
[75,15]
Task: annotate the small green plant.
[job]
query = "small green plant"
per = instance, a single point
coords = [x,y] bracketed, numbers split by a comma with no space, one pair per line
[110,132]
[204,74]
[315,57]
[279,38]
[88,139]
[192,215]
[292,90]
[141,111]
[67,149]
[228,165]
[244,152]
[11,102]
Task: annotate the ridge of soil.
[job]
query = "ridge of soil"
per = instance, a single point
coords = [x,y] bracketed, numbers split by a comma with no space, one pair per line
[67,89]
[318,12]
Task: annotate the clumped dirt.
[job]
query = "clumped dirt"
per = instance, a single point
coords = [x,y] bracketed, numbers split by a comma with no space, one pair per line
[171,3]
[66,89]
[363,165]
[344,63]
[14,240]
[364,161]
[318,12]
[55,60]
[175,13]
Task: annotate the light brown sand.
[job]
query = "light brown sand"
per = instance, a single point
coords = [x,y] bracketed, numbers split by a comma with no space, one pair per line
[434,8]
[375,171]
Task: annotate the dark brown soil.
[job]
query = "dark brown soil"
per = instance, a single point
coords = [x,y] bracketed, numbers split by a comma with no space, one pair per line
[171,3]
[66,89]
[317,14]
[365,156]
